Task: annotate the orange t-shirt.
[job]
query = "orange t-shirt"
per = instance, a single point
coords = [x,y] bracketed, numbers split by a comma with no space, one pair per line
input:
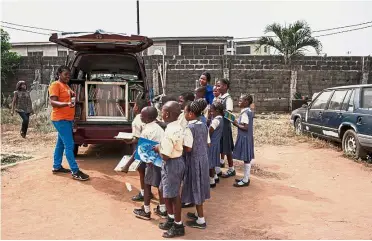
[62,91]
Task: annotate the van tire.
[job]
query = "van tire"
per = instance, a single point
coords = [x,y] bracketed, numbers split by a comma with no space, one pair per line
[351,145]
[76,150]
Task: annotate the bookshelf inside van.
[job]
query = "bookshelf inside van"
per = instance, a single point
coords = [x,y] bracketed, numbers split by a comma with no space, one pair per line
[106,101]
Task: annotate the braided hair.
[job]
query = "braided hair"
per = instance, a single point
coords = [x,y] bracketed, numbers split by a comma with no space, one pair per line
[196,106]
[226,82]
[61,69]
[218,107]
[207,76]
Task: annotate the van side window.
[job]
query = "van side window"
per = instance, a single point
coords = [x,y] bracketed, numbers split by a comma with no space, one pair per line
[367,98]
[351,102]
[345,103]
[336,100]
[322,100]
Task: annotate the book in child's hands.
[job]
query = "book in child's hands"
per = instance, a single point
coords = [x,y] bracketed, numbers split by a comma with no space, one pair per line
[124,135]
[145,152]
[132,168]
[230,116]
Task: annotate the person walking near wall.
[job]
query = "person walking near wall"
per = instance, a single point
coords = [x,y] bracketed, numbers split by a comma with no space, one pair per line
[62,116]
[22,104]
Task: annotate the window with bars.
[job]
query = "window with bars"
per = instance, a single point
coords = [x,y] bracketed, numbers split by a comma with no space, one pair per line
[243,49]
[62,53]
[35,53]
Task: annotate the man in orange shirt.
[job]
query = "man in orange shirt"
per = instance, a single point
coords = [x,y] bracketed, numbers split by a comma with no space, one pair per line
[62,117]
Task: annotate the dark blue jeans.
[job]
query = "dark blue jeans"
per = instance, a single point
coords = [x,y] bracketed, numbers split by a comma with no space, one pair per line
[25,120]
[65,142]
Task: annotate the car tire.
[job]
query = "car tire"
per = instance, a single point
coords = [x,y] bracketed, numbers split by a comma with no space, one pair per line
[351,145]
[76,150]
[298,126]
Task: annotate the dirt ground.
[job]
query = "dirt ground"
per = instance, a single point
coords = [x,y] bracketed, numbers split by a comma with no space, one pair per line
[297,192]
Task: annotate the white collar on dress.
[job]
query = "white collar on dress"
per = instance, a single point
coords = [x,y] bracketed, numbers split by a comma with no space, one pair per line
[224,96]
[194,122]
[244,110]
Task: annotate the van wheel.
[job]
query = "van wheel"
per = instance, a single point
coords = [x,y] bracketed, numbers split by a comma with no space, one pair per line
[351,145]
[298,126]
[76,150]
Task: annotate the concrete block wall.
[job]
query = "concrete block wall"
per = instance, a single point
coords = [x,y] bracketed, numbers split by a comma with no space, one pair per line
[265,77]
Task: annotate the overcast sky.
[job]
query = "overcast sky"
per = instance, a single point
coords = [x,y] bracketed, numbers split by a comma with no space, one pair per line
[193,18]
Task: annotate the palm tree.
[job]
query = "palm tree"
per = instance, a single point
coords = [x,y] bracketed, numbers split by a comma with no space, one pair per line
[291,41]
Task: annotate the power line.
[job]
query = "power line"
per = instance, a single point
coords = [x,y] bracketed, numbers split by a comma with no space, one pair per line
[345,31]
[25,30]
[26,26]
[348,26]
[323,30]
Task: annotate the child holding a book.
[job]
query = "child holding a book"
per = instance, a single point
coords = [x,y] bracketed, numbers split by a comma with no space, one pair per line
[151,131]
[215,132]
[227,144]
[196,186]
[137,127]
[244,146]
[172,172]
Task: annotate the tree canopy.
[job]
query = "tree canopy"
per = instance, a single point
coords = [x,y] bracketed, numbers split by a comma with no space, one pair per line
[9,60]
[292,40]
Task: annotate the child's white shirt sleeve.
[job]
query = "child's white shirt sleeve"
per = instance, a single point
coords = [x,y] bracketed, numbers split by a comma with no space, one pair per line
[229,104]
[137,126]
[244,119]
[215,123]
[209,138]
[188,139]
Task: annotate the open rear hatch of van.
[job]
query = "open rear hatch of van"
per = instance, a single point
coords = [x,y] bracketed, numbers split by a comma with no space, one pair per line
[100,40]
[107,60]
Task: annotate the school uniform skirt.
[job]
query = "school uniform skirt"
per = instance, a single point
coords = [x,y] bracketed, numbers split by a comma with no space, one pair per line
[152,175]
[244,147]
[214,155]
[227,142]
[172,172]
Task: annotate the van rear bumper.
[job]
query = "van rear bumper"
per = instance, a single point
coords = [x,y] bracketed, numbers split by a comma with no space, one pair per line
[98,134]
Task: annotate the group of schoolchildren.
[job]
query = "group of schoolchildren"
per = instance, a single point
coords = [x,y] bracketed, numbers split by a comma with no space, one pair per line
[194,137]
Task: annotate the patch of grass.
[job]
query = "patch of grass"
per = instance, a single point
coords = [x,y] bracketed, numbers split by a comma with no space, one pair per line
[12,158]
[40,122]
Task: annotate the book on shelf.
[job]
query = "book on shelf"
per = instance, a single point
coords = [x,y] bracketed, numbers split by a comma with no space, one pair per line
[106,92]
[105,108]
[135,92]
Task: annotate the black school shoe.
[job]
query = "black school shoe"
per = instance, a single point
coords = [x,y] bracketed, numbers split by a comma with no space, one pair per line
[61,170]
[81,176]
[191,216]
[213,185]
[140,213]
[217,180]
[228,174]
[194,224]
[139,197]
[167,225]
[176,230]
[245,184]
[219,174]
[160,213]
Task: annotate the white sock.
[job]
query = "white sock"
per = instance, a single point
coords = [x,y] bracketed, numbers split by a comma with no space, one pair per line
[171,216]
[178,223]
[218,169]
[142,192]
[222,161]
[200,220]
[196,214]
[162,208]
[187,203]
[215,176]
[211,180]
[147,208]
[247,172]
[231,168]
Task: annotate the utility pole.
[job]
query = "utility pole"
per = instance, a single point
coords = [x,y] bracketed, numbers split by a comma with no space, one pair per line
[138,18]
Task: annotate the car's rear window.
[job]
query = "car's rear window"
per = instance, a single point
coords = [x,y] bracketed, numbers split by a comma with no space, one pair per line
[366,98]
